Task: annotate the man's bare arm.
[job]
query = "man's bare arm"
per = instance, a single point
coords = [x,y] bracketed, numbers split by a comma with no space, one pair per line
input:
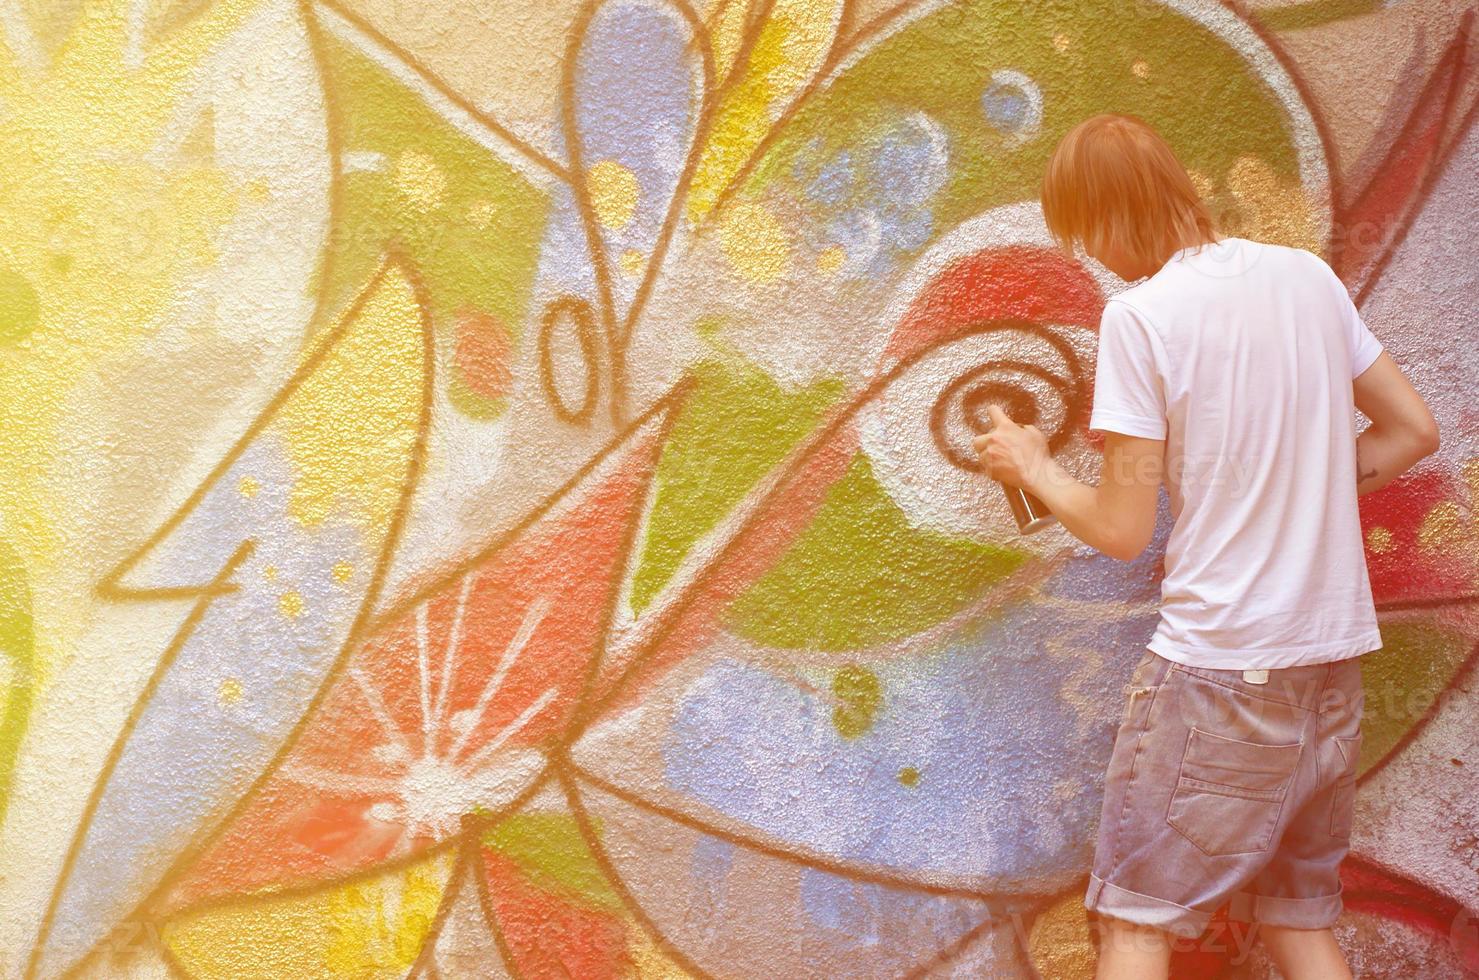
[1402,430]
[1117,517]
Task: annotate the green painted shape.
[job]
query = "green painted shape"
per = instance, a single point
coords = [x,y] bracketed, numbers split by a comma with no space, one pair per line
[20,307]
[550,850]
[464,266]
[17,646]
[859,696]
[736,426]
[1416,664]
[862,574]
[1199,94]
[1295,16]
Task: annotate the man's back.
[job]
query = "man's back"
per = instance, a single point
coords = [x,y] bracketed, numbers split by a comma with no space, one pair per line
[1241,356]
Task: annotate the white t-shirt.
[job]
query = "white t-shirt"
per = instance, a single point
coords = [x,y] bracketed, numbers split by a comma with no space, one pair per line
[1241,356]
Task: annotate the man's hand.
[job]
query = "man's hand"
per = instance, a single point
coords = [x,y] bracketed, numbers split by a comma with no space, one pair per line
[1014,454]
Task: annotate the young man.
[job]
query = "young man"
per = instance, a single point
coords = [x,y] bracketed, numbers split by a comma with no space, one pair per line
[1233,371]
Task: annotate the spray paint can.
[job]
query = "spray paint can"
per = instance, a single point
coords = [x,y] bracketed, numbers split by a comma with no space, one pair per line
[1031,513]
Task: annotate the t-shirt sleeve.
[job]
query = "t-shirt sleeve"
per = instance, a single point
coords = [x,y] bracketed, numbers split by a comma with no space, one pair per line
[1363,345]
[1365,348]
[1129,384]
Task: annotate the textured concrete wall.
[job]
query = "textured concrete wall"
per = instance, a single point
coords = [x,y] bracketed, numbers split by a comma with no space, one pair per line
[485,487]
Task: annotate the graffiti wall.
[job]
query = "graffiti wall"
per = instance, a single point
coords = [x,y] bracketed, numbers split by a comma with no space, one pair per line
[486,490]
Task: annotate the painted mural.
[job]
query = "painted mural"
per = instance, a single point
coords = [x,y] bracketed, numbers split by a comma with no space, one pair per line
[485,488]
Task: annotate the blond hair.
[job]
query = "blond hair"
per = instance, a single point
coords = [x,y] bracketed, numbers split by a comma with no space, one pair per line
[1112,180]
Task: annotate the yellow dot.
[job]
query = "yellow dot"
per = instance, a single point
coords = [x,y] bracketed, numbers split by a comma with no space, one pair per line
[1060,42]
[290,604]
[342,572]
[1141,69]
[1204,185]
[1379,540]
[419,179]
[481,214]
[269,573]
[830,259]
[754,242]
[909,776]
[614,190]
[249,486]
[230,692]
[631,262]
[1440,527]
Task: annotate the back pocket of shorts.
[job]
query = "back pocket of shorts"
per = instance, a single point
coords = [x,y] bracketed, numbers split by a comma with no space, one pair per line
[1230,792]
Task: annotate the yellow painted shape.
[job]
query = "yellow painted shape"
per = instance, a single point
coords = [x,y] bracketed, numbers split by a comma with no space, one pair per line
[831,259]
[632,262]
[1060,944]
[614,191]
[725,35]
[649,962]
[789,50]
[1441,528]
[351,425]
[1276,209]
[249,486]
[1379,539]
[230,692]
[343,571]
[368,928]
[290,604]
[754,242]
[420,181]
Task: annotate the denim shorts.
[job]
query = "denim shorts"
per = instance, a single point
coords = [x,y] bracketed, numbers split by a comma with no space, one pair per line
[1222,791]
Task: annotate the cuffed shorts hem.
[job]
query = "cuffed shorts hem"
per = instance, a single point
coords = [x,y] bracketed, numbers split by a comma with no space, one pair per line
[1290,913]
[1145,910]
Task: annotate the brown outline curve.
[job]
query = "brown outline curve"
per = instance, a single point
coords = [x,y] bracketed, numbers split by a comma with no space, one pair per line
[570,772]
[585,330]
[425,960]
[614,879]
[299,890]
[668,402]
[843,869]
[525,148]
[490,915]
[617,335]
[111,589]
[823,435]
[1437,164]
[476,824]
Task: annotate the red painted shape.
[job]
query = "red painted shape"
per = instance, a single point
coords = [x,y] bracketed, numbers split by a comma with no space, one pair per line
[482,354]
[1405,569]
[1370,888]
[345,798]
[1015,282]
[553,936]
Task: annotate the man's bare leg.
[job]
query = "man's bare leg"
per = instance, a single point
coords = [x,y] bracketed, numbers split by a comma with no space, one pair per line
[1305,954]
[1128,951]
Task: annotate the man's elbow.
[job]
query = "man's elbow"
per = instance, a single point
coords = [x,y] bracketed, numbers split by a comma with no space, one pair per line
[1425,438]
[1125,547]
